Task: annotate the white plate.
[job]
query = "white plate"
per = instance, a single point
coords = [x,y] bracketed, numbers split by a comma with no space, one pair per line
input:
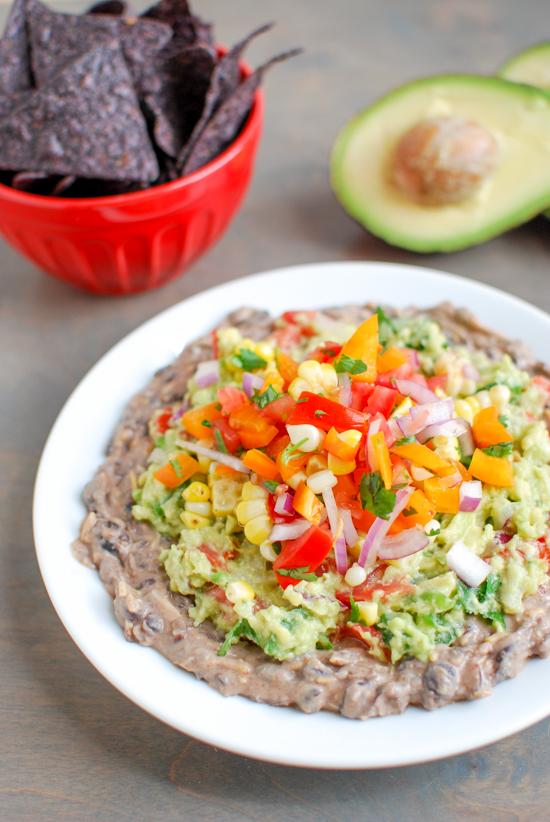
[76,446]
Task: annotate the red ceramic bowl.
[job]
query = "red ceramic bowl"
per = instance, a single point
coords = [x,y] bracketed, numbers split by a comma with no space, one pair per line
[127,243]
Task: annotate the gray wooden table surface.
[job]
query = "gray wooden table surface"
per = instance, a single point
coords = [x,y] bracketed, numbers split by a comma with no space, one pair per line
[71,747]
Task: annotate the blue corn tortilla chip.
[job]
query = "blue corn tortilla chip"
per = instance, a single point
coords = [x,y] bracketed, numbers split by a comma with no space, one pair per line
[229,118]
[57,39]
[117,8]
[15,70]
[174,96]
[86,123]
[224,80]
[189,30]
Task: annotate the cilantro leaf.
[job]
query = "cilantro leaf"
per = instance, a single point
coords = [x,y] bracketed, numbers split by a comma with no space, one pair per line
[177,468]
[291,449]
[486,387]
[263,399]
[271,485]
[409,512]
[206,423]
[374,497]
[220,442]
[159,510]
[482,601]
[386,326]
[160,442]
[320,413]
[355,614]
[297,573]
[348,364]
[324,643]
[248,360]
[503,449]
[405,441]
[242,628]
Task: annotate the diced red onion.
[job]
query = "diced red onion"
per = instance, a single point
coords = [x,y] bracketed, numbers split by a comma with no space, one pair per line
[293,530]
[468,566]
[451,480]
[218,456]
[466,442]
[501,537]
[418,393]
[380,528]
[437,411]
[332,511]
[419,474]
[350,532]
[178,414]
[403,545]
[449,428]
[341,555]
[207,373]
[394,432]
[374,428]
[469,495]
[345,389]
[251,383]
[414,359]
[470,372]
[284,505]
[411,424]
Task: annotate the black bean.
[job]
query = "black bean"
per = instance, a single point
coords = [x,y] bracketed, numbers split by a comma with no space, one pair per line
[441,679]
[109,546]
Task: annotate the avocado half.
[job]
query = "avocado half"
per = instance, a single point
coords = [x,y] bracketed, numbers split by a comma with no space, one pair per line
[530,66]
[518,117]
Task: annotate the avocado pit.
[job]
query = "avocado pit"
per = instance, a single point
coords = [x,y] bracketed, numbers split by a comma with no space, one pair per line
[443,160]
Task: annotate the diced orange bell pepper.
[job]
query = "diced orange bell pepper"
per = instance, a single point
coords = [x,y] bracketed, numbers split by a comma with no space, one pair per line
[340,467]
[423,456]
[253,428]
[363,345]
[420,510]
[390,359]
[260,463]
[290,466]
[487,428]
[225,471]
[492,470]
[382,457]
[445,500]
[287,367]
[176,472]
[344,445]
[193,420]
[306,503]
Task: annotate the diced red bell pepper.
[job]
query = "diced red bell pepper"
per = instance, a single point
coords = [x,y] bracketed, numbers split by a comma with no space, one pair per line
[231,438]
[334,414]
[308,551]
[326,352]
[382,400]
[163,421]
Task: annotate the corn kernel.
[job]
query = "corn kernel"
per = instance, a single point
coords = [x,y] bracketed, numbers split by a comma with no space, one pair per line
[249,509]
[252,491]
[340,467]
[197,492]
[226,493]
[273,378]
[500,395]
[191,520]
[305,437]
[483,399]
[204,462]
[355,575]
[257,530]
[264,350]
[295,480]
[314,376]
[368,612]
[202,508]
[447,448]
[268,551]
[403,408]
[239,591]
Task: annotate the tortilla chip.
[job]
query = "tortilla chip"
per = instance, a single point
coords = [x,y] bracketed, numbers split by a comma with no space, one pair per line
[15,68]
[86,123]
[189,30]
[223,82]
[57,39]
[229,118]
[117,8]
[174,95]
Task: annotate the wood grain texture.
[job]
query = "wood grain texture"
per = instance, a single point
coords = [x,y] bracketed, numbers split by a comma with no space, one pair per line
[72,747]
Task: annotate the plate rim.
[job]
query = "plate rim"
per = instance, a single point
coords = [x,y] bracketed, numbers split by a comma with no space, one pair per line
[526,719]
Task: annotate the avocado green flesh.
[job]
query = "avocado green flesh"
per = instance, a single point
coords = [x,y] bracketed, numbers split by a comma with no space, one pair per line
[518,116]
[531,66]
[301,618]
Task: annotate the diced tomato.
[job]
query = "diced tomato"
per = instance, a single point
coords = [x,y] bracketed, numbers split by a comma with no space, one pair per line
[326,352]
[218,594]
[308,551]
[280,409]
[374,583]
[335,415]
[440,381]
[544,549]
[277,445]
[231,398]
[163,421]
[360,393]
[231,438]
[214,557]
[194,419]
[404,372]
[382,401]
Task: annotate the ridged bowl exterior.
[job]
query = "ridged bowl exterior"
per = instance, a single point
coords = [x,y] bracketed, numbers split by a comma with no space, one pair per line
[133,242]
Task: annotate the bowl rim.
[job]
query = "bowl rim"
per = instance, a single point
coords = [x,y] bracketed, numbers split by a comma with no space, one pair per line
[7,193]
